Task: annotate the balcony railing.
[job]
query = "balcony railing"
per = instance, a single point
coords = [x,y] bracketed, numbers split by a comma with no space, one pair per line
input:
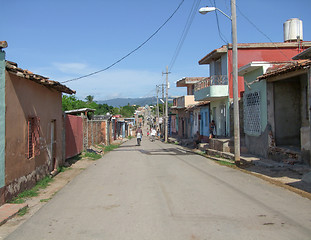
[210,81]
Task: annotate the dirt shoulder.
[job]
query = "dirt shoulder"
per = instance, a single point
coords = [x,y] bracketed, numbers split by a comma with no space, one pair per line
[35,203]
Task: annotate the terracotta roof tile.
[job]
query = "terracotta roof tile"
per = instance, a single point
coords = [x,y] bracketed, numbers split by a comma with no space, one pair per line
[14,69]
[283,68]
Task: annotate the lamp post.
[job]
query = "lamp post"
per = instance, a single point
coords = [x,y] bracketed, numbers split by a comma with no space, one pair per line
[236,118]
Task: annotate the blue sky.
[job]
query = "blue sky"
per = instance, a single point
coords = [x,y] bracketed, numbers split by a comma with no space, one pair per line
[65,39]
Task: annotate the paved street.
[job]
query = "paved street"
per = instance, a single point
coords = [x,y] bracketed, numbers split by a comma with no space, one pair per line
[160,191]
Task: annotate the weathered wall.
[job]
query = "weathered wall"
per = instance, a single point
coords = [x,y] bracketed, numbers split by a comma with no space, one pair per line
[287,112]
[258,145]
[25,99]
[94,132]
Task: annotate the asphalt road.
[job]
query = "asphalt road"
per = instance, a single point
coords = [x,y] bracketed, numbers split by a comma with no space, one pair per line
[160,191]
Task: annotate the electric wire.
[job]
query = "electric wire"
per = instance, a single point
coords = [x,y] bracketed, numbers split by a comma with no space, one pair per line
[131,52]
[221,35]
[185,31]
[257,28]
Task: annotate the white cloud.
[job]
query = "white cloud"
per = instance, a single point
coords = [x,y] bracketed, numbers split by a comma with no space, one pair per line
[113,83]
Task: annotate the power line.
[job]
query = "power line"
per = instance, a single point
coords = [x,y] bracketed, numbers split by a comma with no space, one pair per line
[93,73]
[184,34]
[221,35]
[257,28]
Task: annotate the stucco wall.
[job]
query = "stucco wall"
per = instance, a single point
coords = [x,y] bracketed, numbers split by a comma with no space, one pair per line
[25,99]
[287,112]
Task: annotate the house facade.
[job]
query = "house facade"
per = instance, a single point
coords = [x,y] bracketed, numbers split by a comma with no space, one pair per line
[218,87]
[31,127]
[182,121]
[277,109]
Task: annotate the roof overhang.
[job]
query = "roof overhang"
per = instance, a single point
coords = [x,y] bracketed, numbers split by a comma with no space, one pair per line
[306,54]
[186,81]
[214,55]
[252,66]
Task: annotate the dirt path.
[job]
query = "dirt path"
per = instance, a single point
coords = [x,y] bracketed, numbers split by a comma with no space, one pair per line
[35,203]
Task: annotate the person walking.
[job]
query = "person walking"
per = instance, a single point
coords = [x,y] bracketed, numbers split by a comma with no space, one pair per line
[212,129]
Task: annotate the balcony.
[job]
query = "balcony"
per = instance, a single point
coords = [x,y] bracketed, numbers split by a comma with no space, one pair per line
[184,101]
[211,88]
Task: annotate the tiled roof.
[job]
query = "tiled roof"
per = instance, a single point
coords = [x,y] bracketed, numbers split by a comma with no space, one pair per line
[14,69]
[284,68]
[188,81]
[201,103]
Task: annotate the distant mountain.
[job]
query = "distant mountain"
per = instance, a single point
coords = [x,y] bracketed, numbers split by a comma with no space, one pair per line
[120,102]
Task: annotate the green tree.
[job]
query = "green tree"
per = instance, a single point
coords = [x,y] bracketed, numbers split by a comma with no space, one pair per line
[89,99]
[71,103]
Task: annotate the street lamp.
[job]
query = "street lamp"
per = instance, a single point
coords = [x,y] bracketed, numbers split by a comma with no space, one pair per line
[236,118]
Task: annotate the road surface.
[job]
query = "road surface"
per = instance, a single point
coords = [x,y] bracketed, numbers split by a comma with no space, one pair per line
[160,191]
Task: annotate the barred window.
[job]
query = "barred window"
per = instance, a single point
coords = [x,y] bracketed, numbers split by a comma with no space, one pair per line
[252,113]
[33,137]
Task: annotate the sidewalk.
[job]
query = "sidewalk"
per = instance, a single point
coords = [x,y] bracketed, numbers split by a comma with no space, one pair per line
[294,177]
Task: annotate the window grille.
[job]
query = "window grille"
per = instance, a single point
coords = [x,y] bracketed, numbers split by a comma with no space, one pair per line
[252,113]
[33,137]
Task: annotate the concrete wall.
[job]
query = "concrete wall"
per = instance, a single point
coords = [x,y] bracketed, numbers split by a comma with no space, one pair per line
[25,99]
[287,116]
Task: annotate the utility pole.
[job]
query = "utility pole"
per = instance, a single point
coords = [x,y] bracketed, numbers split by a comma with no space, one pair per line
[166,104]
[158,115]
[236,118]
[163,116]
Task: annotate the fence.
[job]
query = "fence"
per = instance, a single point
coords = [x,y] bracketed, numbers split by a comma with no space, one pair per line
[95,132]
[74,135]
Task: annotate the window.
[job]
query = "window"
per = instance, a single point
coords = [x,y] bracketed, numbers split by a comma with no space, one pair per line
[33,137]
[252,113]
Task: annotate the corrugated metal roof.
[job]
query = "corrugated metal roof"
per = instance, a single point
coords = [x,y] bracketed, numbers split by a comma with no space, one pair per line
[12,67]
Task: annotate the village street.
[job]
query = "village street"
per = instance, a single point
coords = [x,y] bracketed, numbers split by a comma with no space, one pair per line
[161,191]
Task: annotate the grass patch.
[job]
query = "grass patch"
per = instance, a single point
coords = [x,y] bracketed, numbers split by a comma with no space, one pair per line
[45,200]
[62,169]
[23,211]
[130,137]
[110,147]
[33,192]
[92,155]
[226,163]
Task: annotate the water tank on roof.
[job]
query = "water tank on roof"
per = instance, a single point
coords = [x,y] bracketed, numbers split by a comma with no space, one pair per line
[293,30]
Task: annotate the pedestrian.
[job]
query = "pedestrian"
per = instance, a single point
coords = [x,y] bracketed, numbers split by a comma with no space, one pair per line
[212,129]
[153,134]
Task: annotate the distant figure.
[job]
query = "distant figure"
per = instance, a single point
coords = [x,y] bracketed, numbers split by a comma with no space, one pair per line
[139,135]
[212,129]
[153,134]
